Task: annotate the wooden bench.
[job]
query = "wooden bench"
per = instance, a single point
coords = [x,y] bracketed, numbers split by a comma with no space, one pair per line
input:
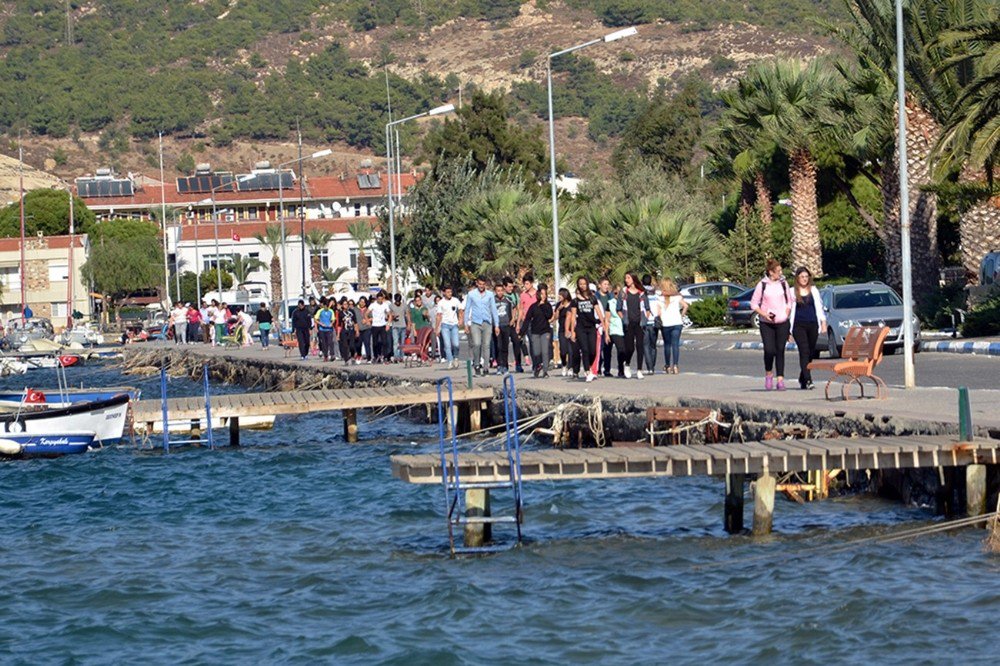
[861,354]
[678,420]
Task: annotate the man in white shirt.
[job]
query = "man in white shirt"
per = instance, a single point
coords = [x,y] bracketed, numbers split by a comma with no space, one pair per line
[449,313]
[379,311]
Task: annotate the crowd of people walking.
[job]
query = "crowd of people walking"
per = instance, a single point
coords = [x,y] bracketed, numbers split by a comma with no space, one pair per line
[602,329]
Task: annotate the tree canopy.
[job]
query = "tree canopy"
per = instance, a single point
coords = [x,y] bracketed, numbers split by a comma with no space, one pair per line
[46,211]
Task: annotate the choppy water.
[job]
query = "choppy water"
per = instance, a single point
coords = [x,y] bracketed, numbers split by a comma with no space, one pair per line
[298,548]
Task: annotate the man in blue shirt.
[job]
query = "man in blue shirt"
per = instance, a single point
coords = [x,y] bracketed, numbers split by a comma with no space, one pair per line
[481,320]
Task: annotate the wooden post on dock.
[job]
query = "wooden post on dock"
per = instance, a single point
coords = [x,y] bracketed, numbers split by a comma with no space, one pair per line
[945,496]
[475,415]
[351,426]
[975,489]
[734,503]
[477,505]
[234,431]
[763,505]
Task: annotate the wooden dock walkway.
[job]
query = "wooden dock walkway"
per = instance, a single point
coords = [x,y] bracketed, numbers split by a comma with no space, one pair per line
[235,405]
[734,461]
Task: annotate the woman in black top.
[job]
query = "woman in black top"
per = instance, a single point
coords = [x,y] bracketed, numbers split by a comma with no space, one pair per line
[264,320]
[585,315]
[565,344]
[539,329]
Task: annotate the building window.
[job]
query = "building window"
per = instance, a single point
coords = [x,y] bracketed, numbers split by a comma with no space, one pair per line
[208,261]
[252,213]
[354,257]
[10,278]
[58,272]
[59,310]
[324,258]
[357,210]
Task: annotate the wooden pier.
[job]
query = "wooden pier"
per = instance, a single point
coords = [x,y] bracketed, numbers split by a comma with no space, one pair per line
[470,401]
[733,461]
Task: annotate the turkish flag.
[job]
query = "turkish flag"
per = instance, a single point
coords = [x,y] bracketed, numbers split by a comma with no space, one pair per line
[236,236]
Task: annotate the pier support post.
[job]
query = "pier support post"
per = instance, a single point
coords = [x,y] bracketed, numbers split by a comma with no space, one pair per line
[477,505]
[234,431]
[763,505]
[947,502]
[351,426]
[734,503]
[475,416]
[975,489]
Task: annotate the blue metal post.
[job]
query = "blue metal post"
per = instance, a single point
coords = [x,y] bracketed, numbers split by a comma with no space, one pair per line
[163,406]
[208,406]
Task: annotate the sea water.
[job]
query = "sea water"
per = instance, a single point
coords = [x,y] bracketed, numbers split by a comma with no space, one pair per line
[299,548]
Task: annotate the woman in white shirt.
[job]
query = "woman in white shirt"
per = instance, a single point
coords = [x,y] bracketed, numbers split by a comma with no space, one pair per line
[808,321]
[673,307]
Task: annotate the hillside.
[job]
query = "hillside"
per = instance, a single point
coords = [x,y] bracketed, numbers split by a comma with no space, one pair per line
[227,81]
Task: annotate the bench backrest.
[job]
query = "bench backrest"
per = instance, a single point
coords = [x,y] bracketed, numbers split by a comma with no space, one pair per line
[676,415]
[423,341]
[864,343]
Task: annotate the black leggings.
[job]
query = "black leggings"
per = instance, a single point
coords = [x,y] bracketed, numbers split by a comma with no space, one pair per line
[586,343]
[347,344]
[806,333]
[618,342]
[566,350]
[325,343]
[303,335]
[635,341]
[774,337]
[503,341]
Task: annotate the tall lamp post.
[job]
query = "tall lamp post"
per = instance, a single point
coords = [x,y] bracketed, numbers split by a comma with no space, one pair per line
[390,154]
[281,214]
[909,375]
[215,224]
[611,37]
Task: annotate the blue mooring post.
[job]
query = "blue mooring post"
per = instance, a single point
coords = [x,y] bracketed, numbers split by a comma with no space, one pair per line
[163,405]
[208,405]
[964,415]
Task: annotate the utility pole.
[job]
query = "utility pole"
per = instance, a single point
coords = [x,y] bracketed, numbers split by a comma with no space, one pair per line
[302,211]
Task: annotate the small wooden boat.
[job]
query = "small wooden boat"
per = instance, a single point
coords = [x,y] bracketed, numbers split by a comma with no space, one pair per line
[106,418]
[23,445]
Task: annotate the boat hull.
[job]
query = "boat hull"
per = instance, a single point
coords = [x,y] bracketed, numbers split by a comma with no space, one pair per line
[45,446]
[106,418]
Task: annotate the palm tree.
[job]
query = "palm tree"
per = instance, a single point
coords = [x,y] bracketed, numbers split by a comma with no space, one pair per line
[933,91]
[780,104]
[362,233]
[273,239]
[972,135]
[333,274]
[317,240]
[241,267]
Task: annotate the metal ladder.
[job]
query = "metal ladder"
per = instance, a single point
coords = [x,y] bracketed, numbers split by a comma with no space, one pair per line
[207,438]
[454,487]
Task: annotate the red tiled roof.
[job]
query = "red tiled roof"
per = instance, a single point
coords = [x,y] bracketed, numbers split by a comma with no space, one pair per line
[55,242]
[247,230]
[316,188]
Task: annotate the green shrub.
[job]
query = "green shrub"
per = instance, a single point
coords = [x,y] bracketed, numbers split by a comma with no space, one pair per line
[708,312]
[937,307]
[984,319]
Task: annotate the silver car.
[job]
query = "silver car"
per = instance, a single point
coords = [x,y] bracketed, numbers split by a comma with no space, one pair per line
[699,290]
[868,304]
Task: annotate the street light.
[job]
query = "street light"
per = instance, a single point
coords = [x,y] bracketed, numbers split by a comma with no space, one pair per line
[215,224]
[390,154]
[909,376]
[281,214]
[610,37]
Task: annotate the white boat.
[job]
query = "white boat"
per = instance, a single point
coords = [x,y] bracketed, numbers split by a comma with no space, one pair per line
[106,418]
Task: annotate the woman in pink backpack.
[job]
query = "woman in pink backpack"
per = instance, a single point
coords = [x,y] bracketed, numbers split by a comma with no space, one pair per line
[772,300]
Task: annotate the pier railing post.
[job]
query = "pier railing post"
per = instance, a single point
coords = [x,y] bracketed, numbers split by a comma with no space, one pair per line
[975,489]
[234,431]
[477,505]
[763,504]
[733,519]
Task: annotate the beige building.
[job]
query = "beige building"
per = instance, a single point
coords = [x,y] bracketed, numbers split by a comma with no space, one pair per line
[47,289]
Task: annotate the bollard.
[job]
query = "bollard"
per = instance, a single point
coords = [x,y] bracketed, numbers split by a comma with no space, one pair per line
[964,415]
[763,505]
[468,372]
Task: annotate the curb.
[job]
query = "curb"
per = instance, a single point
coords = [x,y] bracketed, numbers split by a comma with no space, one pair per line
[981,348]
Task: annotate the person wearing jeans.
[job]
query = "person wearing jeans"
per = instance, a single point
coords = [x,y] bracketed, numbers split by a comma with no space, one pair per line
[400,324]
[673,307]
[449,313]
[481,320]
[772,300]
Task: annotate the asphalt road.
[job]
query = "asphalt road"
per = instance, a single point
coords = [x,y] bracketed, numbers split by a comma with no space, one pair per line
[932,368]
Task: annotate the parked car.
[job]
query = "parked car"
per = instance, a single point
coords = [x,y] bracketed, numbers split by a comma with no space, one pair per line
[867,304]
[695,292]
[739,312]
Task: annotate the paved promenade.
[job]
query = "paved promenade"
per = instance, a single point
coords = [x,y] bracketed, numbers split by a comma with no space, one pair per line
[932,404]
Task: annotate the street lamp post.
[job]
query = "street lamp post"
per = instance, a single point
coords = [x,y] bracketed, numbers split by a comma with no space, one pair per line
[70,285]
[390,155]
[909,374]
[281,214]
[611,37]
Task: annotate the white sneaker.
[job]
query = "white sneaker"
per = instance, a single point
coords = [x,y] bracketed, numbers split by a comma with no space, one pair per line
[590,377]
[628,372]
[565,371]
[638,374]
